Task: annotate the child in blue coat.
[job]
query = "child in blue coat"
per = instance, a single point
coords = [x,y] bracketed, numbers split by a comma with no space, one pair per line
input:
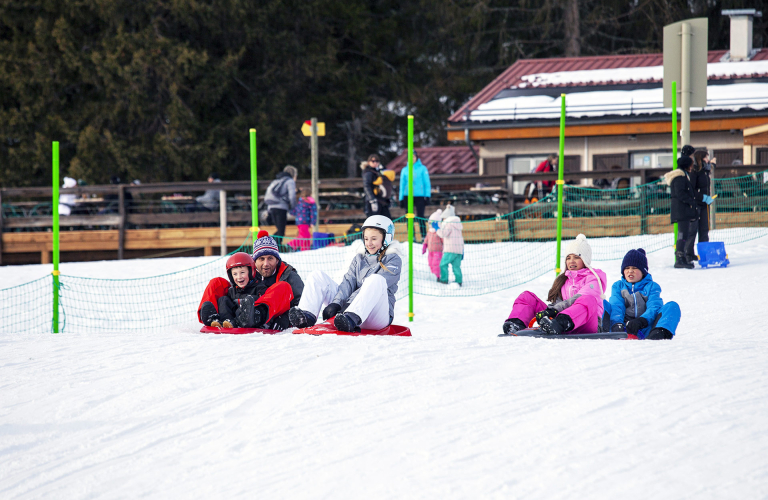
[636,306]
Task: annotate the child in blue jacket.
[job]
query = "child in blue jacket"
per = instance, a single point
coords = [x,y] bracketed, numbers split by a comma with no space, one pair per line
[636,306]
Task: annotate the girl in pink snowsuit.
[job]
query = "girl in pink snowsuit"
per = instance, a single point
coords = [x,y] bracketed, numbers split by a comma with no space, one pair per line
[434,244]
[306,216]
[575,299]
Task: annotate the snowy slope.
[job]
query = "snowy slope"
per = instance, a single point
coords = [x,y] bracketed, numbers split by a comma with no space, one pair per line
[453,411]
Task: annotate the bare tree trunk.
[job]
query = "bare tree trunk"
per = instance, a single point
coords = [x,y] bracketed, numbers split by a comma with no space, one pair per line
[572,30]
[354,132]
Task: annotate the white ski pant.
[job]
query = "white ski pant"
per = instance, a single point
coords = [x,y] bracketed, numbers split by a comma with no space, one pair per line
[371,304]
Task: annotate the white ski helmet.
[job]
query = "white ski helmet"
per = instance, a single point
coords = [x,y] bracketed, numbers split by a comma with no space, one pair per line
[383,223]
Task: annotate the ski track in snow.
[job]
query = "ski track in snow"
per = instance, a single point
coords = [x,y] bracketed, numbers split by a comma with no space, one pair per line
[453,411]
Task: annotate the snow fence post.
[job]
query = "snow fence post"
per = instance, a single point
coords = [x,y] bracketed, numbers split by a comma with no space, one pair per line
[409,216]
[560,182]
[254,188]
[674,149]
[55,207]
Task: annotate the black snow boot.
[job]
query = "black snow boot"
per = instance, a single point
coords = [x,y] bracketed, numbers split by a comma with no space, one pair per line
[561,324]
[681,262]
[619,327]
[512,325]
[347,322]
[300,319]
[249,315]
[208,314]
[660,334]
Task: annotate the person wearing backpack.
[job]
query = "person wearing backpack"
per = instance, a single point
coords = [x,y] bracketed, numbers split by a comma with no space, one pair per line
[377,186]
[281,197]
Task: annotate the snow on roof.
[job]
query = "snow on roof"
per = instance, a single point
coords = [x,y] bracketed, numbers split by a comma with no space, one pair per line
[617,66]
[731,97]
[715,71]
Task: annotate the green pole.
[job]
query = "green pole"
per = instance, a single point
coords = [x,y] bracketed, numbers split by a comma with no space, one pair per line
[254,188]
[409,216]
[674,143]
[560,182]
[55,206]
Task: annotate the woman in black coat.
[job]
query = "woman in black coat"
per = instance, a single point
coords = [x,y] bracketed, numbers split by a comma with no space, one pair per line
[700,180]
[683,210]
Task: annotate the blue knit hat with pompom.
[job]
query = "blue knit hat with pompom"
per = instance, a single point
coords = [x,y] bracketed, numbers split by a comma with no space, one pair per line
[635,258]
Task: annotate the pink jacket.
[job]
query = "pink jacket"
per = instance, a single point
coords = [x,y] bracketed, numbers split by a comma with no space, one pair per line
[450,232]
[432,242]
[582,282]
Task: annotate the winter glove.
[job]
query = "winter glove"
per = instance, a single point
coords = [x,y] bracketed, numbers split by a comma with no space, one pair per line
[331,310]
[707,199]
[549,312]
[618,327]
[635,325]
[374,206]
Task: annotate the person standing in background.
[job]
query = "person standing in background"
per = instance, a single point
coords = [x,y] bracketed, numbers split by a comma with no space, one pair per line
[700,180]
[305,212]
[422,190]
[370,174]
[683,209]
[280,198]
[548,165]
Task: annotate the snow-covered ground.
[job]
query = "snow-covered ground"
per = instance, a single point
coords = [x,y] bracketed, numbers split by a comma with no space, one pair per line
[453,411]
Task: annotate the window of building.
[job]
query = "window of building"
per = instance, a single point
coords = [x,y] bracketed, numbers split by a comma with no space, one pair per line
[528,163]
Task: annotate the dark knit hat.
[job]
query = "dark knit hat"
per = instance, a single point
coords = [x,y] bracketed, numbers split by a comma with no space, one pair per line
[684,162]
[688,150]
[265,245]
[635,258]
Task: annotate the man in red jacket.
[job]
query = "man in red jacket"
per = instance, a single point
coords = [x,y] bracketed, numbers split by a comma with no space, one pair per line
[278,288]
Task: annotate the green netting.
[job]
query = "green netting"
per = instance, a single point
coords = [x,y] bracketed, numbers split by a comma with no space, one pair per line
[500,252]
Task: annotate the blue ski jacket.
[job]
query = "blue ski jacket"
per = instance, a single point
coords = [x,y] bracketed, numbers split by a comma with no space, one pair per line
[421,184]
[635,300]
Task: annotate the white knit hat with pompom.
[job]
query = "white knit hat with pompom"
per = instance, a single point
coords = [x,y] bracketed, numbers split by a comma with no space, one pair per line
[580,247]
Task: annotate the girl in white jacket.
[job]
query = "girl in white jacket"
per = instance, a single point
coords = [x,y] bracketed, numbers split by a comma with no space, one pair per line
[453,245]
[366,296]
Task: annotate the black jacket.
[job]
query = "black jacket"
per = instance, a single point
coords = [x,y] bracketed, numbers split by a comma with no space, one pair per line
[369,175]
[700,182]
[684,200]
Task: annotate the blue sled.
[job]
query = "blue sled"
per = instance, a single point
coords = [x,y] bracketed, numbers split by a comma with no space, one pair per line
[712,254]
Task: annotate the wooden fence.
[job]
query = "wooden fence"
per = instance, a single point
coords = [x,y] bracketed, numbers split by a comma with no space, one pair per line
[18,236]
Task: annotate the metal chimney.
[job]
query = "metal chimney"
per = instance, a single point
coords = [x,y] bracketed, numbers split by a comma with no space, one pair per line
[741,33]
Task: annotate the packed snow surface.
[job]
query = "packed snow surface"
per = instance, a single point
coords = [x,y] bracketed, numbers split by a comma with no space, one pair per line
[452,412]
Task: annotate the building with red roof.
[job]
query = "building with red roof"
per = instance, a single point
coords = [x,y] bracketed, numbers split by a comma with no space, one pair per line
[440,160]
[615,115]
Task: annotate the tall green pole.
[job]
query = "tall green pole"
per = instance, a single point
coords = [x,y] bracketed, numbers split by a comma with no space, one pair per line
[674,143]
[254,188]
[55,206]
[410,216]
[560,182]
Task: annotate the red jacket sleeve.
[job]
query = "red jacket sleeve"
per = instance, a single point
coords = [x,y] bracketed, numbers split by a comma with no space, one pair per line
[217,287]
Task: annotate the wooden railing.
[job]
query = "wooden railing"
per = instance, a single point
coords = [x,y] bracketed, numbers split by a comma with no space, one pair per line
[124,218]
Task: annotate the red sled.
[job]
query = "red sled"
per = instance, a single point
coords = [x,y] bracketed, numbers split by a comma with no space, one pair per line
[237,331]
[327,328]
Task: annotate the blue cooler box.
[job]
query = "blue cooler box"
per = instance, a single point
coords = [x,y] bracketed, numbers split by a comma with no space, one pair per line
[712,253]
